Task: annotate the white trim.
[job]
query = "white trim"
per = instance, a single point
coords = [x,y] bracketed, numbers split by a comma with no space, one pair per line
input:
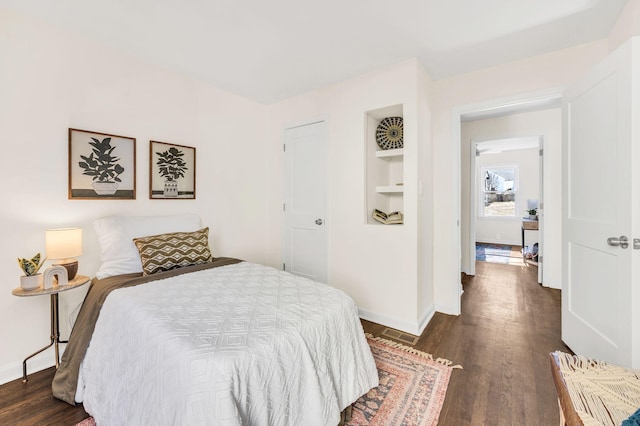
[307,122]
[542,160]
[424,320]
[470,268]
[511,104]
[415,328]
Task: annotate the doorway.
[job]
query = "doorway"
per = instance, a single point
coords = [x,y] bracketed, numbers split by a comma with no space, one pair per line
[305,201]
[537,101]
[505,185]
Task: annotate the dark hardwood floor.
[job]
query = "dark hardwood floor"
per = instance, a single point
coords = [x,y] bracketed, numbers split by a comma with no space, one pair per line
[508,326]
[31,403]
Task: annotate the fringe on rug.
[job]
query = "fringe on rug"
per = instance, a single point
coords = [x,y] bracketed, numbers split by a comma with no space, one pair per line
[601,393]
[414,351]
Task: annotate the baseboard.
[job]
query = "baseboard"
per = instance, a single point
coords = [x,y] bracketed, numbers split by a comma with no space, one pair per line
[415,328]
[448,309]
[13,371]
[543,284]
[425,318]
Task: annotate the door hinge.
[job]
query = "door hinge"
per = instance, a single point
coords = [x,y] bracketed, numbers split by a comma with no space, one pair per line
[541,152]
[284,266]
[284,207]
[284,147]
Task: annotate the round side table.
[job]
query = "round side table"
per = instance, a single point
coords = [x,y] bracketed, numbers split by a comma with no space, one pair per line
[78,281]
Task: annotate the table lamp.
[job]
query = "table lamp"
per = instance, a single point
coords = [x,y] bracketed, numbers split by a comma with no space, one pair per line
[64,244]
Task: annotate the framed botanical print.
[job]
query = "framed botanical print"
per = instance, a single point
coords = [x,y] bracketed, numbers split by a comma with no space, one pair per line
[101,166]
[172,171]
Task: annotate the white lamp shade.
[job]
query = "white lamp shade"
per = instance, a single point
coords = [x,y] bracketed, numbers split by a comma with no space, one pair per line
[63,243]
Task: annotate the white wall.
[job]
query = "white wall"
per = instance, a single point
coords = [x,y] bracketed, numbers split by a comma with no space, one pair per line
[505,230]
[50,81]
[547,124]
[377,265]
[426,305]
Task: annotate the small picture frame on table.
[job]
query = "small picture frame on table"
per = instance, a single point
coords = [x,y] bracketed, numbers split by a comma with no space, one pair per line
[102,166]
[172,171]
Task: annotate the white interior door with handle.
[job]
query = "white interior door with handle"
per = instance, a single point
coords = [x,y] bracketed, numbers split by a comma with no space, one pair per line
[597,288]
[305,195]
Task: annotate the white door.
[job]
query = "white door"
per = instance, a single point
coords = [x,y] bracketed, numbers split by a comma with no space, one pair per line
[598,194]
[305,193]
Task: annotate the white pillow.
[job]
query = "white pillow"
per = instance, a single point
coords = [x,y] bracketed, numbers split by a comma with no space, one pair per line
[118,253]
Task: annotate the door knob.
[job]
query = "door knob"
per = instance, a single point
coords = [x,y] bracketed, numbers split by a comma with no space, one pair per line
[623,241]
[319,222]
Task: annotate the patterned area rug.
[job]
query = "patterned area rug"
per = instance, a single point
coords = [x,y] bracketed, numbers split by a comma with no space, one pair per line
[498,253]
[411,391]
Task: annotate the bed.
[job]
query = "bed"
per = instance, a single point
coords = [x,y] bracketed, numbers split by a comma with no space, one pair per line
[220,341]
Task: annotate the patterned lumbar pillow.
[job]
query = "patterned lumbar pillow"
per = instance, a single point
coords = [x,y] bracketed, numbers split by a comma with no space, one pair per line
[173,250]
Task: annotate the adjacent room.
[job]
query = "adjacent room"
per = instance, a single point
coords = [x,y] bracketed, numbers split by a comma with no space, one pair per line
[332,213]
[505,185]
[507,190]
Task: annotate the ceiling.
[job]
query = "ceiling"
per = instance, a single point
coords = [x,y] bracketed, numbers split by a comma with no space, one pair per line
[271,50]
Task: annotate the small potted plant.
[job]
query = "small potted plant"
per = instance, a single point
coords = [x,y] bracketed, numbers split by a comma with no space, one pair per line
[102,166]
[31,278]
[171,167]
[533,214]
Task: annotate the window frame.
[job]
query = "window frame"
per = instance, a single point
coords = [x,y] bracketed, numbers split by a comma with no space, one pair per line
[481,191]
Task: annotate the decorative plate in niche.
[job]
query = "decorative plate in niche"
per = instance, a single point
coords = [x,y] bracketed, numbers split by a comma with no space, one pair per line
[389,133]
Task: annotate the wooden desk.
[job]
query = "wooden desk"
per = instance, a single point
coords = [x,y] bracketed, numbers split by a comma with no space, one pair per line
[528,225]
[78,281]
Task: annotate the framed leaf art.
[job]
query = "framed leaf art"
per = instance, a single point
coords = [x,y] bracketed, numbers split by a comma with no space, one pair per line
[101,166]
[172,171]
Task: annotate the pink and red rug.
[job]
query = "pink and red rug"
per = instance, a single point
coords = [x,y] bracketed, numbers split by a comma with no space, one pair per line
[411,391]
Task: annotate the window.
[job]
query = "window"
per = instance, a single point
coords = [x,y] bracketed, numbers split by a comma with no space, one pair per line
[498,185]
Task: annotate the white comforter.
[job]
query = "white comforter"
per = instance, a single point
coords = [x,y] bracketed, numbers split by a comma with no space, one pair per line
[242,344]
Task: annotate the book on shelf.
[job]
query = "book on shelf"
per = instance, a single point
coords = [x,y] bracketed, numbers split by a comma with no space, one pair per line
[387,218]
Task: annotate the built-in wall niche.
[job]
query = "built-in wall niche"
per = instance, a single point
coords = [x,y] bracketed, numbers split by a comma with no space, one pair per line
[385,168]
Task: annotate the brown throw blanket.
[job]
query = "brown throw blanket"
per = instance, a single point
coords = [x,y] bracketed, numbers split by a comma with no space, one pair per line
[65,381]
